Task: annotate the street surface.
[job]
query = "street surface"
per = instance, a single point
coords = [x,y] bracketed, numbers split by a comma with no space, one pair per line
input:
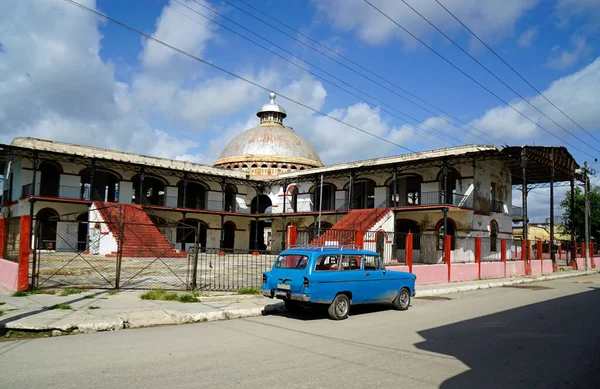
[540,335]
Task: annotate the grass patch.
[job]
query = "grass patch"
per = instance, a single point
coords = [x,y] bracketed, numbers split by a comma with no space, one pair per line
[30,292]
[113,292]
[89,296]
[12,334]
[20,294]
[62,306]
[1,312]
[93,307]
[2,303]
[70,291]
[248,290]
[163,295]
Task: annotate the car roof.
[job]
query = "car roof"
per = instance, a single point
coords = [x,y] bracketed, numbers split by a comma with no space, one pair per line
[328,250]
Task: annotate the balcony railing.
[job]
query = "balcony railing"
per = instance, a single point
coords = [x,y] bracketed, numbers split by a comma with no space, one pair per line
[64,192]
[432,198]
[208,205]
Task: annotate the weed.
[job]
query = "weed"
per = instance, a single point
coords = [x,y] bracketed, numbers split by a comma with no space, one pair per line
[69,291]
[93,307]
[161,294]
[89,296]
[2,303]
[1,312]
[248,290]
[20,294]
[61,306]
[113,292]
[42,291]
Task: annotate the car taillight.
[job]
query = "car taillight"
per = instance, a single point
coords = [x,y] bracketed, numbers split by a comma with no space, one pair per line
[305,282]
[264,278]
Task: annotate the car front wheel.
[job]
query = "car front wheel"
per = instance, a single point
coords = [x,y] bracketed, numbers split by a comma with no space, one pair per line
[402,300]
[339,308]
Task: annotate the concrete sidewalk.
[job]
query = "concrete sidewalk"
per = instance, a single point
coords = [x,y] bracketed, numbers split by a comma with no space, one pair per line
[102,310]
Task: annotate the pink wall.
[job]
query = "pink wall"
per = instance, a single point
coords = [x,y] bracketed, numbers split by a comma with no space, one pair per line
[431,274]
[548,266]
[580,263]
[536,267]
[515,268]
[492,270]
[9,274]
[463,272]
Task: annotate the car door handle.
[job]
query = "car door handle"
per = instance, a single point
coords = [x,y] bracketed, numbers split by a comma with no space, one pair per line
[367,274]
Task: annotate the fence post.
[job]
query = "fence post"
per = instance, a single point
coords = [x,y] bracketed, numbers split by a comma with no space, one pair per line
[592,264]
[291,237]
[447,252]
[24,249]
[409,251]
[539,250]
[194,282]
[583,250]
[478,256]
[560,251]
[503,254]
[525,247]
[359,239]
[2,237]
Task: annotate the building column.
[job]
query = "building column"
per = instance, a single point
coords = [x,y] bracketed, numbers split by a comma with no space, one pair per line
[445,184]
[284,232]
[92,174]
[524,200]
[285,185]
[138,198]
[316,195]
[395,191]
[222,241]
[185,185]
[351,190]
[36,163]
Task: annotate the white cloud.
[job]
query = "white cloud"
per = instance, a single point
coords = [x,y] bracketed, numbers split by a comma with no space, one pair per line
[568,10]
[527,37]
[576,94]
[561,59]
[490,19]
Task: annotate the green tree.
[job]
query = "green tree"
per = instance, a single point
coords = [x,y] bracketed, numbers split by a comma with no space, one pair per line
[579,215]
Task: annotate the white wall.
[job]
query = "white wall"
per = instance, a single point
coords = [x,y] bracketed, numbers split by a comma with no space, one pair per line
[102,241]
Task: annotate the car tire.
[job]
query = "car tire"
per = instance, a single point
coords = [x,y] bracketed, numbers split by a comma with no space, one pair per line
[402,300]
[292,306]
[339,308]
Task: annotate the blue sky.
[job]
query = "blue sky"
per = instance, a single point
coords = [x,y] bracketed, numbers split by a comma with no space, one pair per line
[69,76]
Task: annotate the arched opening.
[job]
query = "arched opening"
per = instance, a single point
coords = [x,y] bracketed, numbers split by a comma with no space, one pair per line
[195,195]
[230,198]
[493,236]
[50,179]
[402,228]
[47,220]
[186,233]
[364,194]
[106,185]
[380,243]
[153,190]
[440,234]
[448,197]
[259,205]
[229,235]
[328,203]
[294,198]
[82,231]
[408,190]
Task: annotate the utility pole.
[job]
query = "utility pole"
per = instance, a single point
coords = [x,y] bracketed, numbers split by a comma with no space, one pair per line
[587,218]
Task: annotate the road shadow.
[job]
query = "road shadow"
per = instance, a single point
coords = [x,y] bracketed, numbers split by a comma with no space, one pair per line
[319,312]
[552,344]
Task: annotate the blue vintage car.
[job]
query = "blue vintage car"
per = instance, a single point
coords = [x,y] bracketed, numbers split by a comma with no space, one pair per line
[337,277]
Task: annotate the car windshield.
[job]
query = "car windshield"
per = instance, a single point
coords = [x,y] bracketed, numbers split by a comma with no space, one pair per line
[291,261]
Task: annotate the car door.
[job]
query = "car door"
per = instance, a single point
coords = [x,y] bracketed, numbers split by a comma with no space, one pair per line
[353,278]
[376,285]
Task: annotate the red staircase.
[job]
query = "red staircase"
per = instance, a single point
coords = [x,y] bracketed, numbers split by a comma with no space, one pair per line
[344,231]
[141,238]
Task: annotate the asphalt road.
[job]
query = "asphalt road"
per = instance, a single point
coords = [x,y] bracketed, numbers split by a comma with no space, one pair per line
[546,335]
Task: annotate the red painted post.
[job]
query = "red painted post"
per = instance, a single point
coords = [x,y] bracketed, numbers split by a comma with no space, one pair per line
[360,237]
[525,246]
[2,243]
[478,256]
[291,236]
[447,252]
[24,248]
[560,251]
[409,251]
[583,250]
[503,254]
[539,250]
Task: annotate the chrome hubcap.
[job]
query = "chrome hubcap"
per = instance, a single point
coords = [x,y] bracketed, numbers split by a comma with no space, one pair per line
[404,298]
[341,307]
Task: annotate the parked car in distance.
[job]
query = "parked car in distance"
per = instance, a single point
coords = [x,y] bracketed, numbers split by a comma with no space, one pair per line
[336,277]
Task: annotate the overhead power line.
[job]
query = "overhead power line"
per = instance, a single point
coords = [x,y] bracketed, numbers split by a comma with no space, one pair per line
[494,74]
[271,17]
[474,80]
[514,70]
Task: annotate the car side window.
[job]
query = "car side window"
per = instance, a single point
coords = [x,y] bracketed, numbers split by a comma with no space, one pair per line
[372,262]
[351,262]
[327,263]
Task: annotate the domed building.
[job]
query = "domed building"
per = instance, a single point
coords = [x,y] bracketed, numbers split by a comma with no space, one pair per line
[269,148]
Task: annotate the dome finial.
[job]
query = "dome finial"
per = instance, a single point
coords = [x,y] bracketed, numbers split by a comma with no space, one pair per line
[272,96]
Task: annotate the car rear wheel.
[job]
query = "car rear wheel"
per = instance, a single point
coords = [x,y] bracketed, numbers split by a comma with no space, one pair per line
[339,308]
[402,300]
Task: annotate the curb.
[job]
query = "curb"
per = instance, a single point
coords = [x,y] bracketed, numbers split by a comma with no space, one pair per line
[498,284]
